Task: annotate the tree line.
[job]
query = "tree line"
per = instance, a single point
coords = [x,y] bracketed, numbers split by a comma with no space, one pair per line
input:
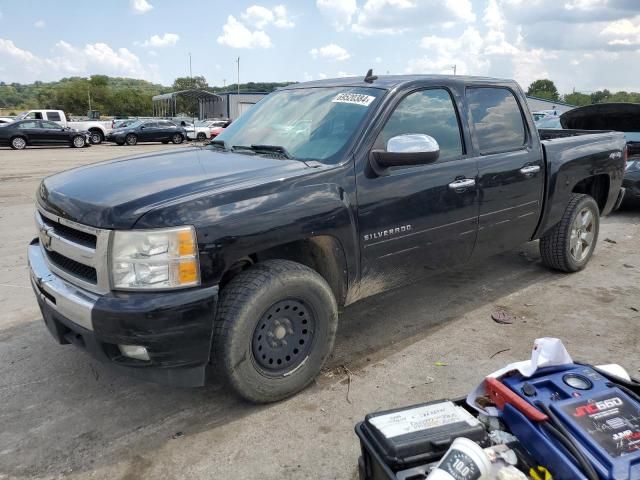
[545,88]
[109,95]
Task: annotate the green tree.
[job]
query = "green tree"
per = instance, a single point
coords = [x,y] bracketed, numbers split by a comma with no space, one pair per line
[543,88]
[576,98]
[601,96]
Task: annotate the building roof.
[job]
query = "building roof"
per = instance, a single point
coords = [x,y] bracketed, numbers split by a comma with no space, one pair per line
[555,102]
[192,93]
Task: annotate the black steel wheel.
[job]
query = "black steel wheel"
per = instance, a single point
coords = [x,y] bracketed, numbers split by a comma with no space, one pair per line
[274,329]
[283,337]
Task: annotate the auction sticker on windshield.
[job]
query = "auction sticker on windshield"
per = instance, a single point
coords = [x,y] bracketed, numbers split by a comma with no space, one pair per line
[355,98]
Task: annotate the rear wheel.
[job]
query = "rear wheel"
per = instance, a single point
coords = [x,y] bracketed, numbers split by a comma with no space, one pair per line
[18,143]
[569,245]
[177,138]
[131,139]
[201,137]
[275,328]
[96,137]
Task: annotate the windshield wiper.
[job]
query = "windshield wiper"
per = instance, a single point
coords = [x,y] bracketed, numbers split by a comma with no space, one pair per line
[219,144]
[272,149]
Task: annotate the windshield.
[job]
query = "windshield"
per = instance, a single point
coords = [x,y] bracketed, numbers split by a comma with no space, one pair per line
[553,122]
[308,123]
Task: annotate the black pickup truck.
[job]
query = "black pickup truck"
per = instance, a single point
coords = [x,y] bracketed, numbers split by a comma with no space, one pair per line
[235,258]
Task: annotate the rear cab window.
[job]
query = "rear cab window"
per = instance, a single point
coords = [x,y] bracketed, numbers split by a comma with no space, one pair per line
[53,116]
[431,112]
[497,119]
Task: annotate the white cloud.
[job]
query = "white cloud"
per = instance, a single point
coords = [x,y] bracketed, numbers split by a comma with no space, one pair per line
[330,52]
[282,19]
[623,32]
[39,24]
[153,53]
[322,76]
[394,17]
[378,60]
[339,12]
[157,41]
[140,6]
[259,17]
[67,59]
[236,35]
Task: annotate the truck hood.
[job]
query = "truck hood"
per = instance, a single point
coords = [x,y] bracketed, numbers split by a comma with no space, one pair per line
[115,194]
[622,117]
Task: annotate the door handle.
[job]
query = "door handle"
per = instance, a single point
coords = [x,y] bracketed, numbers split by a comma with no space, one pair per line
[462,184]
[530,170]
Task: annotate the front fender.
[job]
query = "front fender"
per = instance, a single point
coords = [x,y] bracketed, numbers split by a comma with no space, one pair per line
[232,231]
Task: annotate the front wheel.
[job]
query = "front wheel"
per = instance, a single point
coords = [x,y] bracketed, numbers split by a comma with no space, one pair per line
[131,139]
[177,138]
[78,141]
[18,143]
[275,327]
[569,245]
[201,137]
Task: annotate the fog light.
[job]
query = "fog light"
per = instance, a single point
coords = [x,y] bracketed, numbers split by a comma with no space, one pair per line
[134,351]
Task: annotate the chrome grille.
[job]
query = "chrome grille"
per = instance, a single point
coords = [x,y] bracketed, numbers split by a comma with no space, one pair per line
[75,252]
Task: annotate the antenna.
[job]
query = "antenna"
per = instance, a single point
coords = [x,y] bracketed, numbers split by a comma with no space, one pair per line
[370,77]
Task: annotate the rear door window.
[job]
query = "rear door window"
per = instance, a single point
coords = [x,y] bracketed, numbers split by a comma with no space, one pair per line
[50,125]
[53,116]
[497,119]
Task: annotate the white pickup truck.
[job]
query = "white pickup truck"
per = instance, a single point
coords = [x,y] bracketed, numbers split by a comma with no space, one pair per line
[97,129]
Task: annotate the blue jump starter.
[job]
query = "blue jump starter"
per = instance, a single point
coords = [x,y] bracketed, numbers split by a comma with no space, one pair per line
[603,420]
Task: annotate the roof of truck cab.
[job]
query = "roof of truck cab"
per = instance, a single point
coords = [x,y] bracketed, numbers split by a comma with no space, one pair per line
[388,82]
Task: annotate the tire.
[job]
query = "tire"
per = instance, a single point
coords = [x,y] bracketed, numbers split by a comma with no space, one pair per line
[120,142]
[264,353]
[18,143]
[201,137]
[96,137]
[568,247]
[165,142]
[177,139]
[131,139]
[78,142]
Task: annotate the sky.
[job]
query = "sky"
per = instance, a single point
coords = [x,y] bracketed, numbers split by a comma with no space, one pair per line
[584,45]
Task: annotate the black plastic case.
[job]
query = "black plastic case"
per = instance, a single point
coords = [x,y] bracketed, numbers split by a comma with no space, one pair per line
[413,449]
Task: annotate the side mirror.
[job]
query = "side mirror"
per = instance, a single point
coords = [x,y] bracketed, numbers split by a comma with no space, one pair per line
[141,127]
[405,150]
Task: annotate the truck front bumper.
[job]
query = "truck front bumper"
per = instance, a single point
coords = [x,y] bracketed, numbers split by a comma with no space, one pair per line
[175,327]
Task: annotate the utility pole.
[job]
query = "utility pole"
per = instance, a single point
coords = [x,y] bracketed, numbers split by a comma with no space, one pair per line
[190,72]
[454,66]
[89,96]
[224,83]
[238,75]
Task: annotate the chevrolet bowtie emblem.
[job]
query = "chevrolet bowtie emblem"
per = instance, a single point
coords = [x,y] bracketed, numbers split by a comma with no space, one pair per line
[45,235]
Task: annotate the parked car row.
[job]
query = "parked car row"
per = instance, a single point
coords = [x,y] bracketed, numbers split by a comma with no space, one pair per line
[162,131]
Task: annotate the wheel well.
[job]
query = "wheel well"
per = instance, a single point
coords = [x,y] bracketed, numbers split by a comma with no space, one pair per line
[322,253]
[96,130]
[596,187]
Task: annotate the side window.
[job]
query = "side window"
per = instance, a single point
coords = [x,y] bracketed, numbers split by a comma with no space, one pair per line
[50,125]
[497,119]
[53,116]
[151,125]
[430,112]
[166,124]
[28,125]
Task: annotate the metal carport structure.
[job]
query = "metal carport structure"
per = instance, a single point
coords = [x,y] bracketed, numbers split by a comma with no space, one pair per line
[165,105]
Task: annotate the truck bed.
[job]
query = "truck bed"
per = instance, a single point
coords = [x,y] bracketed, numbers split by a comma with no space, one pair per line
[550,134]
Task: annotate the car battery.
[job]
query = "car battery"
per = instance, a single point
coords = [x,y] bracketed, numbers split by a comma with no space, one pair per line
[408,437]
[602,418]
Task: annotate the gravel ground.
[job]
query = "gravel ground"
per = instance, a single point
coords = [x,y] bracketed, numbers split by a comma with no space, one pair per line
[64,415]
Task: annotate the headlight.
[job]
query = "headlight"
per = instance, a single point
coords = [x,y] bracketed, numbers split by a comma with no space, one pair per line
[154,259]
